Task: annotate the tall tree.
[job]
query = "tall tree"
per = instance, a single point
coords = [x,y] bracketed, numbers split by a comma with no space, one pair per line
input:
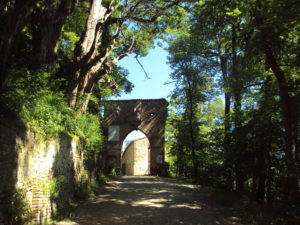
[48,19]
[276,32]
[216,33]
[13,16]
[113,30]
[191,81]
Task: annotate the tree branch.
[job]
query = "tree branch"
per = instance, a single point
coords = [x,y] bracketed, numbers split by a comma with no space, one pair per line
[141,65]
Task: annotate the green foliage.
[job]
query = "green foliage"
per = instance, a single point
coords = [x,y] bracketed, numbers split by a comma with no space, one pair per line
[113,173]
[87,188]
[32,98]
[257,214]
[72,30]
[113,84]
[53,188]
[36,99]
[243,150]
[87,127]
[102,179]
[209,153]
[19,208]
[216,47]
[82,190]
[65,212]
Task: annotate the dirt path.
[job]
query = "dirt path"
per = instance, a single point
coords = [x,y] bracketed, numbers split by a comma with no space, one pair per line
[151,201]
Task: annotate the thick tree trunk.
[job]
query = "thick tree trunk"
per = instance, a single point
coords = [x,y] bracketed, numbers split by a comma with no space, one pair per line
[86,92]
[291,188]
[47,25]
[86,61]
[262,174]
[240,179]
[227,125]
[269,180]
[289,121]
[13,15]
[263,155]
[227,97]
[101,36]
[193,140]
[191,119]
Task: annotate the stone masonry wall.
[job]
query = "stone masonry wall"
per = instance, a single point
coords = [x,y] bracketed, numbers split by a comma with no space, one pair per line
[135,158]
[123,116]
[141,157]
[33,165]
[127,160]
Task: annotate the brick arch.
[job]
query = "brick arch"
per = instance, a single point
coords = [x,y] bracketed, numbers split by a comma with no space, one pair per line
[123,116]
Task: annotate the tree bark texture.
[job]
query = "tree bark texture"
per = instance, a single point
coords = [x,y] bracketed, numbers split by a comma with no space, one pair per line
[86,61]
[291,188]
[227,97]
[191,118]
[227,123]
[236,89]
[13,16]
[289,121]
[100,38]
[47,26]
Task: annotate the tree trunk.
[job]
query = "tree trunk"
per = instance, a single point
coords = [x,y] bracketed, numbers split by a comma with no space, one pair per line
[192,131]
[291,188]
[227,97]
[13,17]
[193,141]
[254,184]
[269,180]
[263,156]
[261,169]
[47,25]
[227,125]
[240,179]
[85,51]
[87,61]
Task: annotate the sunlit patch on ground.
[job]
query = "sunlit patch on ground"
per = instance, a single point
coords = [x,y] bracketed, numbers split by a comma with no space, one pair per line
[186,206]
[152,201]
[157,203]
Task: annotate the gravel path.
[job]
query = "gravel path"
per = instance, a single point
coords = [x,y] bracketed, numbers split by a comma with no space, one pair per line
[151,201]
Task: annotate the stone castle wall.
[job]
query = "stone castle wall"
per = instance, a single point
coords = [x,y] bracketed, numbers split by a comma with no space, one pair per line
[135,159]
[127,160]
[123,116]
[35,166]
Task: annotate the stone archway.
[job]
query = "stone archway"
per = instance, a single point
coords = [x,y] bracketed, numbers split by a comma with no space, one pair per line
[123,116]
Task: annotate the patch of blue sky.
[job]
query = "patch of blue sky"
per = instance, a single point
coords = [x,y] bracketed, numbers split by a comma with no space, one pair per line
[155,64]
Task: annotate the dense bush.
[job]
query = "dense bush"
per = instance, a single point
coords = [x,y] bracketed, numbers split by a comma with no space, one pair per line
[36,99]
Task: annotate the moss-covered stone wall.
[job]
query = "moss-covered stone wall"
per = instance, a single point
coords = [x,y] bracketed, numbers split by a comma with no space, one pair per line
[44,171]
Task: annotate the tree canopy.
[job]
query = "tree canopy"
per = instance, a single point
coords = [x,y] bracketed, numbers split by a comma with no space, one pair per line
[234,117]
[247,52]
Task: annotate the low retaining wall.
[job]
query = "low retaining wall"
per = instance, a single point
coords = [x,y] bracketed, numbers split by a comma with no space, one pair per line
[44,171]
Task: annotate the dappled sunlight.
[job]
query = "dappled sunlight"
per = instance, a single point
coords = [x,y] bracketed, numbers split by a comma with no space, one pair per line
[103,200]
[186,206]
[157,203]
[152,201]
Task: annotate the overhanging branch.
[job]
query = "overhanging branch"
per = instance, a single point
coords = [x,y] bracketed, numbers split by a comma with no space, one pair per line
[141,65]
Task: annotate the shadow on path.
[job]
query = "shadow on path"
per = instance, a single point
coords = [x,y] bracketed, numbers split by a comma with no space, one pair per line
[152,201]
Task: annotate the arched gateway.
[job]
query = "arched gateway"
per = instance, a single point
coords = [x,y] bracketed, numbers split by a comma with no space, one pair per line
[123,116]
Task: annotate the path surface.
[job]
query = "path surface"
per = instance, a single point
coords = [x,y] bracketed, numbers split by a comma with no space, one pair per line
[152,201]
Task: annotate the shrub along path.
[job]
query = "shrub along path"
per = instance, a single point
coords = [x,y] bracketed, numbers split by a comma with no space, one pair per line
[152,201]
